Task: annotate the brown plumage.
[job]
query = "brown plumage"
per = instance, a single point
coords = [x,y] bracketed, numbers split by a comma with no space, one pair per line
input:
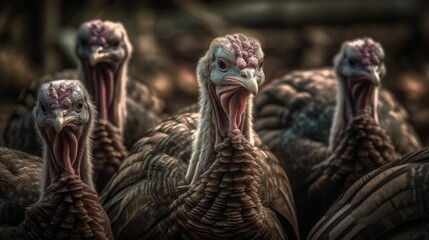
[20,175]
[69,207]
[127,106]
[206,175]
[388,203]
[325,144]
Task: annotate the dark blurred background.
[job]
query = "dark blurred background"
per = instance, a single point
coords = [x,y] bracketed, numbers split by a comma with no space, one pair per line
[37,37]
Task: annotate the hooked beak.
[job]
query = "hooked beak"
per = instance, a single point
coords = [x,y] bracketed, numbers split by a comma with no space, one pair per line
[97,55]
[60,120]
[374,76]
[249,80]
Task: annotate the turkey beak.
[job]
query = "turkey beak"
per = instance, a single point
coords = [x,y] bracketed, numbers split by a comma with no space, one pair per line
[60,120]
[249,80]
[374,75]
[97,55]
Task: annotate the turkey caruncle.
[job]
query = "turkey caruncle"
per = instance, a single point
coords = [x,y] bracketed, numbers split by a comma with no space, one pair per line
[126,106]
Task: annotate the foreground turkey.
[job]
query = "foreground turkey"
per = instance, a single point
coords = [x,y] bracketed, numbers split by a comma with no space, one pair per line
[69,206]
[126,106]
[388,203]
[206,175]
[369,129]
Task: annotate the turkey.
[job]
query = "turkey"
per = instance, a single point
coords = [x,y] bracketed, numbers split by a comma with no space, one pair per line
[69,207]
[294,115]
[389,203]
[103,52]
[206,175]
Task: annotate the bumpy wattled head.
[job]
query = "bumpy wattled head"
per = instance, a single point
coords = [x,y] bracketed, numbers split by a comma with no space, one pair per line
[359,60]
[64,120]
[103,51]
[102,42]
[231,71]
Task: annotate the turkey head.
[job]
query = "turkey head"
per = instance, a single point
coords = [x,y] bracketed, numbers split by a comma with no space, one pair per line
[103,52]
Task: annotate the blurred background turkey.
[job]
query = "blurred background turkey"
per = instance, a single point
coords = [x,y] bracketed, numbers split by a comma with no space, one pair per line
[37,37]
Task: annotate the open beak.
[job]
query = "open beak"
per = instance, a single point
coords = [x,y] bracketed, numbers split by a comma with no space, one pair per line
[249,80]
[374,75]
[97,55]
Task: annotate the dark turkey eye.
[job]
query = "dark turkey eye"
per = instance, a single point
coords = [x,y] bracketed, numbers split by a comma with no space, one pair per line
[43,108]
[221,64]
[261,64]
[352,62]
[84,42]
[79,106]
[115,44]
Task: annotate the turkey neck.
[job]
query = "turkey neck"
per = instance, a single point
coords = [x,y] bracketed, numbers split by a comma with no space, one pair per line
[356,97]
[212,130]
[106,83]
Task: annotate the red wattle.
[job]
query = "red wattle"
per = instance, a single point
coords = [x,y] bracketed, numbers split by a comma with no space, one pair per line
[233,101]
[103,91]
[65,148]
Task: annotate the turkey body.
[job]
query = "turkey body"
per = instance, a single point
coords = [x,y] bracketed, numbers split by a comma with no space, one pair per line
[69,210]
[20,175]
[143,198]
[388,203]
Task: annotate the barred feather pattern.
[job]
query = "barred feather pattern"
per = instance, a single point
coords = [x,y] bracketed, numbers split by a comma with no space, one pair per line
[144,109]
[69,210]
[20,175]
[293,116]
[224,203]
[388,203]
[150,178]
[109,152]
[364,147]
[157,166]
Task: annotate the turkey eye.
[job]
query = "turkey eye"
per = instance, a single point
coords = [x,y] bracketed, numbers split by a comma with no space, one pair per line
[79,106]
[43,108]
[352,62]
[83,42]
[115,44]
[221,64]
[261,64]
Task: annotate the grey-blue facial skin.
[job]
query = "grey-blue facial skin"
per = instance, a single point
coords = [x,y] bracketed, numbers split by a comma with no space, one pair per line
[354,63]
[55,114]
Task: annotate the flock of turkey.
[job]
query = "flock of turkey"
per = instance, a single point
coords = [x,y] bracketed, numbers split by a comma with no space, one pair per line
[315,154]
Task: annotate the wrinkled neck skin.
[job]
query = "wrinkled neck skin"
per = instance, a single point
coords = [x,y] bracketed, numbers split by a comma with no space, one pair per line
[52,172]
[354,98]
[213,128]
[106,84]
